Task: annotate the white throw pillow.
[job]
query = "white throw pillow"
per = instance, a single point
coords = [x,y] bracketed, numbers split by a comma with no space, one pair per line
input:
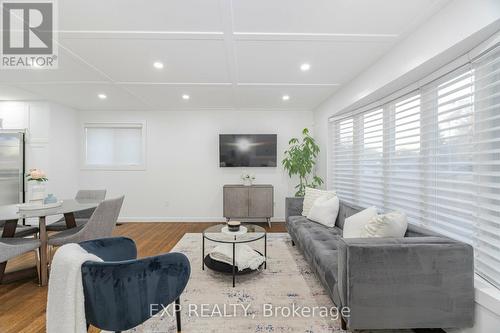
[392,224]
[354,225]
[324,210]
[311,195]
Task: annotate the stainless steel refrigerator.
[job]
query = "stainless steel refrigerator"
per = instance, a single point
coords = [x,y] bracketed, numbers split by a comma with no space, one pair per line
[11,167]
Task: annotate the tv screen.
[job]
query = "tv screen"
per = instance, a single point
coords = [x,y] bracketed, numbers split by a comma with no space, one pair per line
[247,150]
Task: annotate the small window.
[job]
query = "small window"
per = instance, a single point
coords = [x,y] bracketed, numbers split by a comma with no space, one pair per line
[114,146]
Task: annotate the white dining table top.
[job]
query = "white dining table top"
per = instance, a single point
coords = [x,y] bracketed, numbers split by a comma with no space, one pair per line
[12,212]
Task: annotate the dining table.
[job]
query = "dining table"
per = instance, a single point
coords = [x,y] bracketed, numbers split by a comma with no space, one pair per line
[11,215]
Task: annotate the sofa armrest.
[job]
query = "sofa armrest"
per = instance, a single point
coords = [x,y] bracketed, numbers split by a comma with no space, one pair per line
[293,206]
[412,282]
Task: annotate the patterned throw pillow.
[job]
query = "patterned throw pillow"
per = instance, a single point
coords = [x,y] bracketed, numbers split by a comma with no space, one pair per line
[393,224]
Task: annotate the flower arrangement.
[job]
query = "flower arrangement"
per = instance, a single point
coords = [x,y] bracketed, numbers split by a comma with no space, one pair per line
[36,175]
[247,178]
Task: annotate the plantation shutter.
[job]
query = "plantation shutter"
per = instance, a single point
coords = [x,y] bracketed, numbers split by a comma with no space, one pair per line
[371,159]
[433,154]
[453,155]
[343,137]
[403,181]
[487,167]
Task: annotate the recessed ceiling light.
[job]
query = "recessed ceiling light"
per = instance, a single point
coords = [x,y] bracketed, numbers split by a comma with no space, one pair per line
[285,97]
[102,96]
[305,67]
[158,65]
[185,97]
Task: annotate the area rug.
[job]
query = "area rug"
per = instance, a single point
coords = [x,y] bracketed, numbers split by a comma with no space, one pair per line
[262,301]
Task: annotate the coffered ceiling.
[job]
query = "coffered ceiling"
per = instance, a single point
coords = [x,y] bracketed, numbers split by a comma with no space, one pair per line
[224,54]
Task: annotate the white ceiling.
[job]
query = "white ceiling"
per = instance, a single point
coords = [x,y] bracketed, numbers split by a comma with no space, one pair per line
[226,54]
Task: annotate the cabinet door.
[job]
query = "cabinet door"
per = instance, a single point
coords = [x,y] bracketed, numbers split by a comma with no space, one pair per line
[235,202]
[261,202]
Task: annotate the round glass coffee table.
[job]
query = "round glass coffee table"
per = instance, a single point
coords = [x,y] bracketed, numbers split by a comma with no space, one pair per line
[217,234]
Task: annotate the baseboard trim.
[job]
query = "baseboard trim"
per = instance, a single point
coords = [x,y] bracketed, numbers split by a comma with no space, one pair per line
[181,219]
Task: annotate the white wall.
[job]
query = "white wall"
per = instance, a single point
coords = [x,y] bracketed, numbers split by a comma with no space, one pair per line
[183,180]
[51,141]
[64,144]
[451,32]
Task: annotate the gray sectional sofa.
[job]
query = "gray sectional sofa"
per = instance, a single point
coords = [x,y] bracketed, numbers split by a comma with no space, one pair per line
[423,280]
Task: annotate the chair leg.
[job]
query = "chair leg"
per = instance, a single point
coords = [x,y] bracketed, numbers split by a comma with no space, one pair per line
[50,254]
[3,265]
[52,251]
[37,266]
[343,324]
[178,314]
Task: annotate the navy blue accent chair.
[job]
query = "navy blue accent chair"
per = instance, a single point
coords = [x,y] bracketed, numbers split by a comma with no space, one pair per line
[122,292]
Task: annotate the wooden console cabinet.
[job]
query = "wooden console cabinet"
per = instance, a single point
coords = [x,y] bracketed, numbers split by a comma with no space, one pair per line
[249,202]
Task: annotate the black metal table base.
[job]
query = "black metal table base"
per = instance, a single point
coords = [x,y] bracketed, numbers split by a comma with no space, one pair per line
[227,268]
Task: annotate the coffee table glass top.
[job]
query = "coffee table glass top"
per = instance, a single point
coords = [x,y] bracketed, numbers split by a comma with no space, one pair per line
[214,233]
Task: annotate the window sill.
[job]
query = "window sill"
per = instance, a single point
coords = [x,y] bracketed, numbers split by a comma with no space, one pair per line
[113,168]
[487,295]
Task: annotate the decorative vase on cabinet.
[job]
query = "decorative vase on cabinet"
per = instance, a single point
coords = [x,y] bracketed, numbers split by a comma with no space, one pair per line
[37,193]
[37,179]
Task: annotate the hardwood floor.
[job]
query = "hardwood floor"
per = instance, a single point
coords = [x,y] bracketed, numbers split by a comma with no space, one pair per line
[22,304]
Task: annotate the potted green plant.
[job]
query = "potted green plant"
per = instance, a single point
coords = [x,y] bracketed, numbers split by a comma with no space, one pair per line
[300,158]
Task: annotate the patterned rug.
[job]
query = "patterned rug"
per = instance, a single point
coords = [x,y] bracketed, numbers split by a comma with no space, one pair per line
[262,301]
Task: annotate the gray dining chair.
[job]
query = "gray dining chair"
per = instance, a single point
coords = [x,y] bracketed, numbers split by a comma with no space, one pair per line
[100,225]
[83,216]
[13,247]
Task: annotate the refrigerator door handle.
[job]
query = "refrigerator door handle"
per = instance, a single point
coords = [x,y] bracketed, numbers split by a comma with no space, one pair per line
[22,184]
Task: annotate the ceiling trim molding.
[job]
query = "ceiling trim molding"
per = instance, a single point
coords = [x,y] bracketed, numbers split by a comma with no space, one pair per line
[227,16]
[35,83]
[280,84]
[167,35]
[195,109]
[222,35]
[111,80]
[77,57]
[181,84]
[314,37]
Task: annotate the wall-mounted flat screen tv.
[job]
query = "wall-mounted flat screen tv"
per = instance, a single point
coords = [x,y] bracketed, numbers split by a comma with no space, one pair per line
[247,150]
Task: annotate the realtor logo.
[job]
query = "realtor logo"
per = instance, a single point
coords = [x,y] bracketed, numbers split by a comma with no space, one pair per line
[28,35]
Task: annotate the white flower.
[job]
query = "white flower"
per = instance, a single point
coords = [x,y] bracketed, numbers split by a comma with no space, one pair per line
[36,174]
